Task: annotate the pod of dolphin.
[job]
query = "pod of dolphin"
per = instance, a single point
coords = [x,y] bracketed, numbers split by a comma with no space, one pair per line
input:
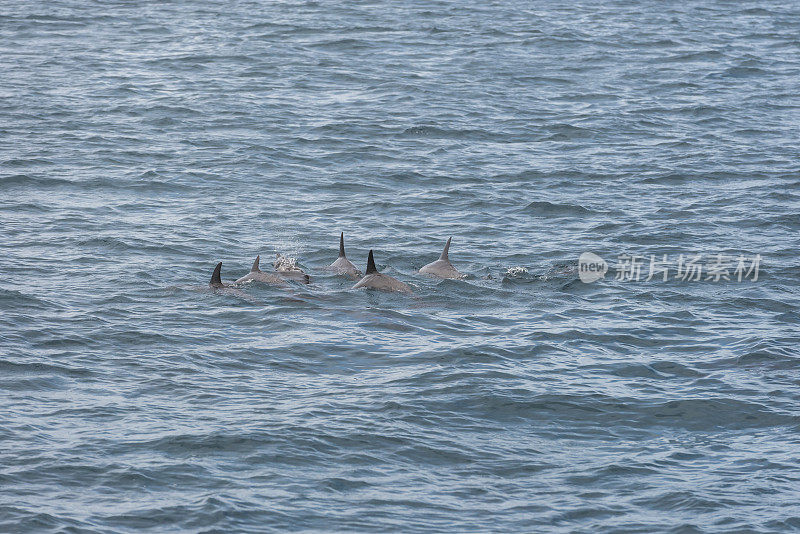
[285,270]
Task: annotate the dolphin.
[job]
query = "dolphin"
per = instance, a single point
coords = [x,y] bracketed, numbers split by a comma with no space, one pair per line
[375,280]
[344,266]
[442,267]
[287,268]
[258,275]
[216,284]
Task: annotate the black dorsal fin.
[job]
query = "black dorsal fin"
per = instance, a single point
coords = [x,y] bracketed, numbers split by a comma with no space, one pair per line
[370,264]
[254,268]
[446,250]
[216,280]
[341,246]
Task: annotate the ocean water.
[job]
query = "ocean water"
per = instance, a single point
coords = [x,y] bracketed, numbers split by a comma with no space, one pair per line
[143,142]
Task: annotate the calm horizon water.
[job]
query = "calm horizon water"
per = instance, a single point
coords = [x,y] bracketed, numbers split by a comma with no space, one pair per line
[143,142]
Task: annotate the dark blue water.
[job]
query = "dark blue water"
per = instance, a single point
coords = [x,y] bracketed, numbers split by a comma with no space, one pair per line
[143,142]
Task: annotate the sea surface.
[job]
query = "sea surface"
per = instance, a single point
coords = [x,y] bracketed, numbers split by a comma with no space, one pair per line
[142,142]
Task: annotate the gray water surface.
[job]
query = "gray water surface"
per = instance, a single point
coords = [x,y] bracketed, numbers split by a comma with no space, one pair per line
[143,142]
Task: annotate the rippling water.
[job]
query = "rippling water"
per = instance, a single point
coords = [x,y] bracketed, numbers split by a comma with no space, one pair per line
[142,142]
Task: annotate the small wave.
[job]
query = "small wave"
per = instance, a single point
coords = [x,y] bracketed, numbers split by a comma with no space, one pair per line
[9,367]
[568,132]
[13,299]
[772,357]
[447,133]
[27,162]
[742,72]
[756,11]
[34,383]
[711,413]
[657,370]
[144,182]
[549,209]
[702,55]
[342,44]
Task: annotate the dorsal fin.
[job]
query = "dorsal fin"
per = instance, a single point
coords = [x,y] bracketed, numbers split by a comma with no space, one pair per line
[216,280]
[341,246]
[370,265]
[446,250]
[254,268]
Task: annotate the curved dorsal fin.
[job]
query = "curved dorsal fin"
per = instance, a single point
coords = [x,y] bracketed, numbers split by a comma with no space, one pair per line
[370,265]
[341,246]
[254,268]
[446,250]
[216,280]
